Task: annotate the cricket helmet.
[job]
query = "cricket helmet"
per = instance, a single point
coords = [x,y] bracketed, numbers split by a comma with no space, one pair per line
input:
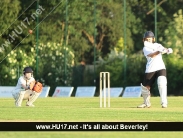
[148,34]
[27,70]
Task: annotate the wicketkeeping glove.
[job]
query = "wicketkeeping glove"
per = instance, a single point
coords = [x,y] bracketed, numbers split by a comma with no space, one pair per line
[37,87]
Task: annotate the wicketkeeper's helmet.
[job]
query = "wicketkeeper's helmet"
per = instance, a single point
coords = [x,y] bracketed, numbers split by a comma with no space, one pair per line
[27,70]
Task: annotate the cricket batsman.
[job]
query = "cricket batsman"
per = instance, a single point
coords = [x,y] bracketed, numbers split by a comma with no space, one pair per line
[155,70]
[26,89]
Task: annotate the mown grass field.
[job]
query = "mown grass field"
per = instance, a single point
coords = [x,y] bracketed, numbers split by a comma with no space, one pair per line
[87,110]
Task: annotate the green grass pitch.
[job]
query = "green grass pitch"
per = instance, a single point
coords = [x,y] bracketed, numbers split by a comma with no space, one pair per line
[87,110]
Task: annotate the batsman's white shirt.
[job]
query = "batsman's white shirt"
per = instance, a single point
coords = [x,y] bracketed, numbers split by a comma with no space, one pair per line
[155,63]
[21,81]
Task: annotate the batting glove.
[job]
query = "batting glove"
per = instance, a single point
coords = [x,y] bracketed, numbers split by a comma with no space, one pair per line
[169,51]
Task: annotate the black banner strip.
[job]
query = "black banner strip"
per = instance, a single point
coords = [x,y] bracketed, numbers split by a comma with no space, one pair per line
[91,126]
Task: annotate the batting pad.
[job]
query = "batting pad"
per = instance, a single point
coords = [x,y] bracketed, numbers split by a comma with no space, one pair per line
[146,95]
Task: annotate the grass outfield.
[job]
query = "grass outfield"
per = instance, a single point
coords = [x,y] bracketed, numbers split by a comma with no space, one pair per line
[87,110]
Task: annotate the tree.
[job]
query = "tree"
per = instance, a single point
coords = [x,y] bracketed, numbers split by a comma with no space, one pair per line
[52,65]
[173,38]
[9,12]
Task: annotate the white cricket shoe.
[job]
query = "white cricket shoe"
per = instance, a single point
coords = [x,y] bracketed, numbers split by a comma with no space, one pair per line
[164,105]
[143,106]
[17,105]
[31,105]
